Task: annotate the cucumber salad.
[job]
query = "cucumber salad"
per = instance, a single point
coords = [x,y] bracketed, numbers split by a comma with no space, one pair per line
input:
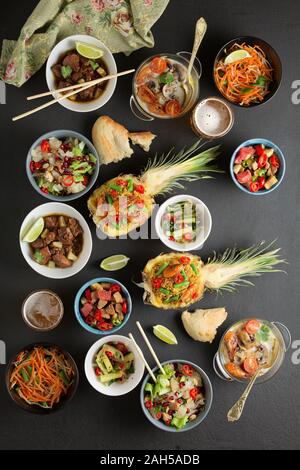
[62,167]
[181,222]
[113,363]
[177,397]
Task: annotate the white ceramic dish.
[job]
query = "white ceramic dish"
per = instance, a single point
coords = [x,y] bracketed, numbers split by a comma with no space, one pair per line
[56,208]
[64,46]
[115,389]
[203,234]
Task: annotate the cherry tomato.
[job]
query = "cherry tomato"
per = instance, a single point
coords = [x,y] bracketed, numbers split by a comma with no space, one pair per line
[252,326]
[146,94]
[187,370]
[148,404]
[254,186]
[68,180]
[235,370]
[45,146]
[158,65]
[124,307]
[139,188]
[250,365]
[194,392]
[274,161]
[158,415]
[261,181]
[173,108]
[262,160]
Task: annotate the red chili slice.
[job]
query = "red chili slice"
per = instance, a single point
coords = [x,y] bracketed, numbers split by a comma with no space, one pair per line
[68,180]
[254,186]
[187,370]
[45,146]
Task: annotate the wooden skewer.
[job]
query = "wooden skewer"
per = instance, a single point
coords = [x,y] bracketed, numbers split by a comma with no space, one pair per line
[56,100]
[150,347]
[142,357]
[79,85]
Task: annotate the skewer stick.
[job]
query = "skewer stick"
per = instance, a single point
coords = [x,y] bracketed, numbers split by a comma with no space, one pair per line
[56,100]
[142,357]
[150,347]
[79,85]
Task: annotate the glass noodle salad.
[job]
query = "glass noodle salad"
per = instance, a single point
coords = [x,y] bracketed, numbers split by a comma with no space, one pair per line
[181,222]
[62,167]
[177,397]
[113,363]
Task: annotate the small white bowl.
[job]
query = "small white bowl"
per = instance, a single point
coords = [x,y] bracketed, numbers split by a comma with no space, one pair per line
[66,45]
[115,389]
[202,236]
[56,208]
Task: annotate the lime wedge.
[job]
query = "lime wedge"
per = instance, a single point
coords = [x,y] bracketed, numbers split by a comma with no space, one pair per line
[236,55]
[114,263]
[164,334]
[34,231]
[88,51]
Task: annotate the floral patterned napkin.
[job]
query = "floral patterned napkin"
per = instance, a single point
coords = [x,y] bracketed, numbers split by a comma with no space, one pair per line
[122,25]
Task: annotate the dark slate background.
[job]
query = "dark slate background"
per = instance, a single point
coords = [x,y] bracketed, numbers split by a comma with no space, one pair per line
[271,419]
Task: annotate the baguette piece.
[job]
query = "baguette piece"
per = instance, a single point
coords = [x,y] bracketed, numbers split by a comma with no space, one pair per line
[202,325]
[143,139]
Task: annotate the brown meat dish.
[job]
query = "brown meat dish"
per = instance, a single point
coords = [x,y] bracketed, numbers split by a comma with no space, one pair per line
[72,69]
[60,243]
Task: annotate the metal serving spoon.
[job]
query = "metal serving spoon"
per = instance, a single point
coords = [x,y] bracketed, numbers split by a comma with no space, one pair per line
[200,30]
[236,411]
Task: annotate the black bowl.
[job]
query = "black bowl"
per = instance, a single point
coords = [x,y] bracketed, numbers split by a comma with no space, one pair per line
[271,55]
[35,408]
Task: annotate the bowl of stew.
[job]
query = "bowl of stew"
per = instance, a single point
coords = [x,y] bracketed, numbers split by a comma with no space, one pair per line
[65,66]
[62,165]
[160,88]
[64,242]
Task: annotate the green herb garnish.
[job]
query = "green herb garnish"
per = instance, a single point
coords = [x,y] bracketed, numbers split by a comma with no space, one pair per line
[261,81]
[263,333]
[66,71]
[166,78]
[38,256]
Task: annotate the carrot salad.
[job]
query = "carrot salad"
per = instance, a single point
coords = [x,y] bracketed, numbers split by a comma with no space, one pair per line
[245,81]
[41,376]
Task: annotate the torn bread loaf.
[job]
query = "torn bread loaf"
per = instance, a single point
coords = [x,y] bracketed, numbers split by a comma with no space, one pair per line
[202,324]
[111,140]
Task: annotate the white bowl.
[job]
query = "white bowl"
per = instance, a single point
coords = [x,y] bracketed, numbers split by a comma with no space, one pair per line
[56,208]
[202,236]
[64,46]
[115,389]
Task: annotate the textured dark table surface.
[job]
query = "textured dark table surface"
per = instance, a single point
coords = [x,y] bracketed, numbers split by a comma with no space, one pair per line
[271,419]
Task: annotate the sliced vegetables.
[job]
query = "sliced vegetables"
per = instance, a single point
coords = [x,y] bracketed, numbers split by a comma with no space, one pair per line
[113,363]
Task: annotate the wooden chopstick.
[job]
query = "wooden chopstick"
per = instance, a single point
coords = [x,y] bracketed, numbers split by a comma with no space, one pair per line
[150,347]
[56,100]
[142,357]
[78,85]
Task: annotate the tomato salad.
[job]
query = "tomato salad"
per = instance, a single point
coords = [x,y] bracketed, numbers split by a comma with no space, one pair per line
[247,347]
[103,306]
[159,87]
[62,167]
[255,167]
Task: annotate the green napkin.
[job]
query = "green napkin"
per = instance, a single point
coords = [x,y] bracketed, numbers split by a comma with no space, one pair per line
[122,25]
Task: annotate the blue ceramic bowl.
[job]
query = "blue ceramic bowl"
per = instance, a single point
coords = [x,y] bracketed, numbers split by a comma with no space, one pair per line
[202,415]
[77,306]
[279,174]
[59,135]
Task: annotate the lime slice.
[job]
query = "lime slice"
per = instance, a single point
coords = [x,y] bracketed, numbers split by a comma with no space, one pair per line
[164,334]
[88,51]
[114,263]
[34,231]
[236,55]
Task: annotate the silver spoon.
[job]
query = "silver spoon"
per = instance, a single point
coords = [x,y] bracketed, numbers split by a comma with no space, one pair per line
[200,30]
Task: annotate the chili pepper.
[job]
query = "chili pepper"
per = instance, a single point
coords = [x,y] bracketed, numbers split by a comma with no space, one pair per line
[114,193]
[139,188]
[44,190]
[32,166]
[115,288]
[98,314]
[194,269]
[37,165]
[179,278]
[274,161]
[130,185]
[168,422]
[124,307]
[157,282]
[262,160]
[109,354]
[195,295]
[164,291]
[158,415]
[194,392]
[85,180]
[104,326]
[171,238]
[259,150]
[254,186]
[109,199]
[261,181]
[121,183]
[148,404]
[187,370]
[162,268]
[68,180]
[181,284]
[98,371]
[88,294]
[185,260]
[45,146]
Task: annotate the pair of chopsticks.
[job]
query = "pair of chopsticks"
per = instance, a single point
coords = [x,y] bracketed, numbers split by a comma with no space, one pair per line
[74,89]
[150,349]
